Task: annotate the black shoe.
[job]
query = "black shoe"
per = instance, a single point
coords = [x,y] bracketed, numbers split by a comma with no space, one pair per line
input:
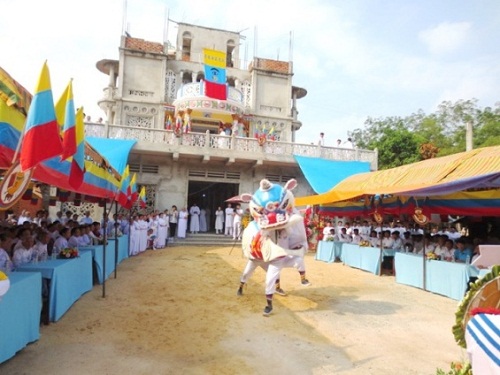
[240,291]
[305,282]
[267,310]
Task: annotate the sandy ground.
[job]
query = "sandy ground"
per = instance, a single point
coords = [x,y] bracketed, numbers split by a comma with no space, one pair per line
[175,311]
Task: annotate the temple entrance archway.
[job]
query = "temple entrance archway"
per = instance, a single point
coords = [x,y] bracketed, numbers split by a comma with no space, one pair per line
[210,195]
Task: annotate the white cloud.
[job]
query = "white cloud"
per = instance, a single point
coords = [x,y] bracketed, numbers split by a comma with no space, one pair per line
[446,37]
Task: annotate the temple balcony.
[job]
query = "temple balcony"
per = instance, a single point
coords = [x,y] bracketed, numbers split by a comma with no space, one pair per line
[207,147]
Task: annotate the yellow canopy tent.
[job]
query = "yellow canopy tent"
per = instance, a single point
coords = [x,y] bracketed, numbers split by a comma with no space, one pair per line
[478,168]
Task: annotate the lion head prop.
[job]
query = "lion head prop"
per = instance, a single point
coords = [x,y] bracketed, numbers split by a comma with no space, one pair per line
[272,208]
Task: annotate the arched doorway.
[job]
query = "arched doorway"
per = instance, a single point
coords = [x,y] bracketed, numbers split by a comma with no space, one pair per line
[210,195]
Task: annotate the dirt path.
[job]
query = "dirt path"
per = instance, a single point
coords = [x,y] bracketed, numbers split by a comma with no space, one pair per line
[175,311]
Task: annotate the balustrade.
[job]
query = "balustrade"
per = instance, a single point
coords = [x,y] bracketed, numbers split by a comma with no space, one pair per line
[214,143]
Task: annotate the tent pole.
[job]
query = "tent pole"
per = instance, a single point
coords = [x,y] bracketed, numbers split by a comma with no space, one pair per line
[424,268]
[105,240]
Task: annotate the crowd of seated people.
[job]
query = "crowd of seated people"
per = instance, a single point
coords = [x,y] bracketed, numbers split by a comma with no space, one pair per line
[447,243]
[32,238]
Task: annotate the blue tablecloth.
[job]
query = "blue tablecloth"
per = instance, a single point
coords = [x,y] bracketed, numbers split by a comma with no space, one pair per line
[97,255]
[20,313]
[122,247]
[365,258]
[409,269]
[69,279]
[328,251]
[445,278]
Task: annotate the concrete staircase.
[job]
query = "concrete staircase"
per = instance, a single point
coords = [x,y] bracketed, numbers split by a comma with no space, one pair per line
[205,239]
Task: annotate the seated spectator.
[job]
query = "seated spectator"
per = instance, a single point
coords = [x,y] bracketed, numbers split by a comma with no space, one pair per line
[327,228]
[42,240]
[330,236]
[356,238]
[397,242]
[25,253]
[5,245]
[418,243]
[387,240]
[343,236]
[374,240]
[463,252]
[440,247]
[62,242]
[449,252]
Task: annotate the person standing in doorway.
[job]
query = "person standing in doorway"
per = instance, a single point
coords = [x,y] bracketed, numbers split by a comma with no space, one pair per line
[229,220]
[194,226]
[219,220]
[183,218]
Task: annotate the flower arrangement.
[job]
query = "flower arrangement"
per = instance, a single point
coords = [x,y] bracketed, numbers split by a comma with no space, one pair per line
[432,256]
[68,253]
[365,243]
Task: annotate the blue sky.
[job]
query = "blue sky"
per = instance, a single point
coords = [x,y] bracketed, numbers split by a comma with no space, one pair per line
[357,59]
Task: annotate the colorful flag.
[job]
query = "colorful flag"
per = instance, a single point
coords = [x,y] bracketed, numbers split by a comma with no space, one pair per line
[77,170]
[41,139]
[125,183]
[133,194]
[65,114]
[142,197]
[215,74]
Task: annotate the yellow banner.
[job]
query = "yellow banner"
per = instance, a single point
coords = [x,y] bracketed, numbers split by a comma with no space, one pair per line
[214,58]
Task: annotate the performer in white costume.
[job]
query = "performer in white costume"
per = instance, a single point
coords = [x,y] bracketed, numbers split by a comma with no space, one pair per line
[134,236]
[143,234]
[203,220]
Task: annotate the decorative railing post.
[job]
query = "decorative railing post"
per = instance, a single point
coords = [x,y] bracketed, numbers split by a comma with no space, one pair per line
[207,139]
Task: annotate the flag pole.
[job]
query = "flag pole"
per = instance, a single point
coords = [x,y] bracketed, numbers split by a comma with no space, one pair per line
[116,238]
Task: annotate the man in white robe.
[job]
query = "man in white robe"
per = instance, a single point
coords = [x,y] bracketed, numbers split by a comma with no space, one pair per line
[229,220]
[194,226]
[182,223]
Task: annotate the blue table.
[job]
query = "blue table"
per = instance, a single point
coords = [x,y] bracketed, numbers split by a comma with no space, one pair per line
[69,279]
[362,257]
[328,251]
[97,255]
[122,247]
[445,278]
[20,313]
[409,269]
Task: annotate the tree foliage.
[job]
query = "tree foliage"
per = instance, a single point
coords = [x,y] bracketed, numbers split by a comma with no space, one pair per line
[399,139]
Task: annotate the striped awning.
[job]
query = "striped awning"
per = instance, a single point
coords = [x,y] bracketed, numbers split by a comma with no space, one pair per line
[478,168]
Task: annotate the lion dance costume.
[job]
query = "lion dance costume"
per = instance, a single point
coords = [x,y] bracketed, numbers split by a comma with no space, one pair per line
[276,238]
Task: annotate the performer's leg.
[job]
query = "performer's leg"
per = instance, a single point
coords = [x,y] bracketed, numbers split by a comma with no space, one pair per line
[272,274]
[247,273]
[301,267]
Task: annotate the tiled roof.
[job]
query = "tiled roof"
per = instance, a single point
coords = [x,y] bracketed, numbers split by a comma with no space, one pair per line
[143,45]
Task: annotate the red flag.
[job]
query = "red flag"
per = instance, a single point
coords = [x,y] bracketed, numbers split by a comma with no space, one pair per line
[41,139]
[216,90]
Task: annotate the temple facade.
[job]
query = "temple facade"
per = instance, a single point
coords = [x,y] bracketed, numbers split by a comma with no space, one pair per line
[192,148]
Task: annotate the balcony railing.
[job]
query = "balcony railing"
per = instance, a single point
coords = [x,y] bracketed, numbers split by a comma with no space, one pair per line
[197,89]
[230,146]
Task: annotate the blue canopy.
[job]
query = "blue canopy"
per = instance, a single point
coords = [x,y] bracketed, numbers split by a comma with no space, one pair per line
[115,151]
[324,174]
